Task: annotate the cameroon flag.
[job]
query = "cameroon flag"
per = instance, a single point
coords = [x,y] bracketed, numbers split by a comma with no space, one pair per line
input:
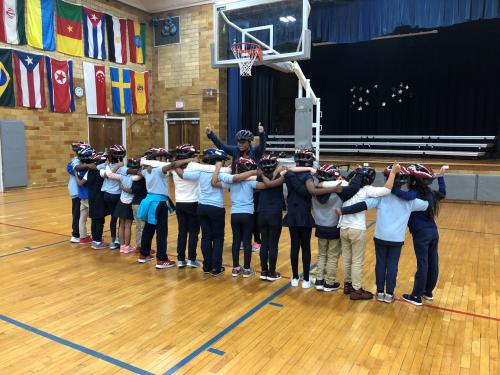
[137,41]
[6,78]
[140,92]
[69,28]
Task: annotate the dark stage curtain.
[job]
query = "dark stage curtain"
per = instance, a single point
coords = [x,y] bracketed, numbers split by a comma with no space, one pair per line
[234,104]
[257,93]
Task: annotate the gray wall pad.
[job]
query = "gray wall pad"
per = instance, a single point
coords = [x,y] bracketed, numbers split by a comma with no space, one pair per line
[488,188]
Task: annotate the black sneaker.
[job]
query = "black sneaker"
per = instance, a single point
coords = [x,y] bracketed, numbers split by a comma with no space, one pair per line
[414,300]
[348,289]
[330,288]
[319,284]
[263,275]
[273,276]
[219,272]
[428,296]
[206,270]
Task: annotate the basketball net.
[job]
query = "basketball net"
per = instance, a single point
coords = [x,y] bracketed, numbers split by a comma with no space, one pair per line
[246,54]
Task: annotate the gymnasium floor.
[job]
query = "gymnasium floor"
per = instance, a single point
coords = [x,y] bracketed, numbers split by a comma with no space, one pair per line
[67,309]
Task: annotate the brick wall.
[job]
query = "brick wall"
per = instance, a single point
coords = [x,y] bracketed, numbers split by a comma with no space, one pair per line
[49,135]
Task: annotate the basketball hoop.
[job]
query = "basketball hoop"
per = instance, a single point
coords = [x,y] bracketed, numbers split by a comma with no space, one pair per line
[246,54]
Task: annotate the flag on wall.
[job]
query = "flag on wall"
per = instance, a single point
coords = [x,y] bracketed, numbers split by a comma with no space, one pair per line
[40,23]
[69,28]
[95,88]
[116,30]
[94,24]
[140,92]
[60,79]
[6,79]
[137,41]
[120,90]
[30,88]
[12,22]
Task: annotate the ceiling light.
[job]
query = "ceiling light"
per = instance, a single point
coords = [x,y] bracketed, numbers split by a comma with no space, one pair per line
[284,19]
[291,18]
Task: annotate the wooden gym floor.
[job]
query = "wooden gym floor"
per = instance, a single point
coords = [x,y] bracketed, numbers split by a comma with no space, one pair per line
[66,309]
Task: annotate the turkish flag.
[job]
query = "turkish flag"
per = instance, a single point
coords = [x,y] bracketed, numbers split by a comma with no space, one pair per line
[60,78]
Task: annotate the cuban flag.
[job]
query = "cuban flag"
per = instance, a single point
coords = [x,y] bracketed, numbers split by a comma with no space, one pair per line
[94,24]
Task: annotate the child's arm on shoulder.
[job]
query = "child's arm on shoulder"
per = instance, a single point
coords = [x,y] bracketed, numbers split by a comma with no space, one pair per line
[293,183]
[215,176]
[406,195]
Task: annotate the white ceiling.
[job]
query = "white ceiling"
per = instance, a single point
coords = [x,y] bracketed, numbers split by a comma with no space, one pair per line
[155,6]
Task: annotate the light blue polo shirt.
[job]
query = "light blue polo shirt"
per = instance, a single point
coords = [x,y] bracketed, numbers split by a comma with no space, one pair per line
[209,195]
[241,194]
[155,181]
[72,184]
[112,186]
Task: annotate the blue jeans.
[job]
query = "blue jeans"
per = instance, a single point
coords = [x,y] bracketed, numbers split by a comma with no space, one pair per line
[386,268]
[425,243]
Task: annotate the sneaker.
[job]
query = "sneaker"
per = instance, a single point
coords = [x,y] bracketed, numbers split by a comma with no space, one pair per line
[319,284]
[241,246]
[295,282]
[348,289]
[361,294]
[414,300]
[389,298]
[248,272]
[128,250]
[144,258]
[137,249]
[99,245]
[255,246]
[217,273]
[331,287]
[122,248]
[274,276]
[193,264]
[160,264]
[380,296]
[428,296]
[237,271]
[263,275]
[114,245]
[206,271]
[74,240]
[85,241]
[306,284]
[181,263]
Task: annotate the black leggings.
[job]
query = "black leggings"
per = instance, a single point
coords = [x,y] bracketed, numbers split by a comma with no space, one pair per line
[242,226]
[187,218]
[161,229]
[110,202]
[97,227]
[256,230]
[212,220]
[75,213]
[270,232]
[300,237]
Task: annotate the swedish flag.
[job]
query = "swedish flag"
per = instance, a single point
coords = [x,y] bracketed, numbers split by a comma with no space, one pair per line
[6,78]
[120,90]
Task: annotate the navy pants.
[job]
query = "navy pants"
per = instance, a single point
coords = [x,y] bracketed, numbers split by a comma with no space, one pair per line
[75,213]
[242,227]
[270,230]
[425,243]
[300,237]
[161,229]
[187,218]
[386,267]
[212,220]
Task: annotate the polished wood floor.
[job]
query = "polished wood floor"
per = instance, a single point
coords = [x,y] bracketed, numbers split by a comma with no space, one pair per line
[66,309]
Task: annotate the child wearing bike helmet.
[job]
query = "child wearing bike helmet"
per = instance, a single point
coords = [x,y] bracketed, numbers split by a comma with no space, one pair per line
[73,191]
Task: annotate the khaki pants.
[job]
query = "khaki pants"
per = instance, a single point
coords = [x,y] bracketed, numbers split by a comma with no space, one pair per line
[139,225]
[84,214]
[328,258]
[353,254]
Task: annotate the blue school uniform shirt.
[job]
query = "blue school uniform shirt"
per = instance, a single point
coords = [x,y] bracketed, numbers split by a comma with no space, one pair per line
[112,186]
[155,181]
[392,216]
[241,194]
[82,192]
[72,184]
[209,195]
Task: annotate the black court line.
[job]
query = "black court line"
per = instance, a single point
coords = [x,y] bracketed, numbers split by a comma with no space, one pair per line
[29,248]
[31,199]
[36,230]
[469,231]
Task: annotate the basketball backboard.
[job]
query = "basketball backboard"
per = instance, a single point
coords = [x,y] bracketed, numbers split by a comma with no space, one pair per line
[278,26]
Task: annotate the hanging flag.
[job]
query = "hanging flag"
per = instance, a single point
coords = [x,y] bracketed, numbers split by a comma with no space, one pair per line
[94,24]
[40,21]
[140,92]
[137,41]
[69,28]
[116,29]
[60,78]
[30,88]
[12,22]
[95,88]
[6,78]
[120,90]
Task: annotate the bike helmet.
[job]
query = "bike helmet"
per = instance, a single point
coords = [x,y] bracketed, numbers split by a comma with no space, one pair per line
[85,154]
[421,173]
[368,175]
[213,155]
[402,177]
[133,163]
[117,152]
[75,146]
[184,151]
[328,172]
[157,152]
[268,164]
[304,157]
[245,165]
[98,158]
[244,136]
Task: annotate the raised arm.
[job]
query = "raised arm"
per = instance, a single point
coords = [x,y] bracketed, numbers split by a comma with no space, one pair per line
[217,142]
[261,148]
[441,194]
[215,176]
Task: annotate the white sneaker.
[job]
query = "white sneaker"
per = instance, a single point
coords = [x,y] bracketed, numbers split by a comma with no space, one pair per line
[380,297]
[295,282]
[306,284]
[389,298]
[74,240]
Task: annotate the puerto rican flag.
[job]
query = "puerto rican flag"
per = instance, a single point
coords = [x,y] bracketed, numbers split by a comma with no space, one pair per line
[60,77]
[94,24]
[95,88]
[30,88]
